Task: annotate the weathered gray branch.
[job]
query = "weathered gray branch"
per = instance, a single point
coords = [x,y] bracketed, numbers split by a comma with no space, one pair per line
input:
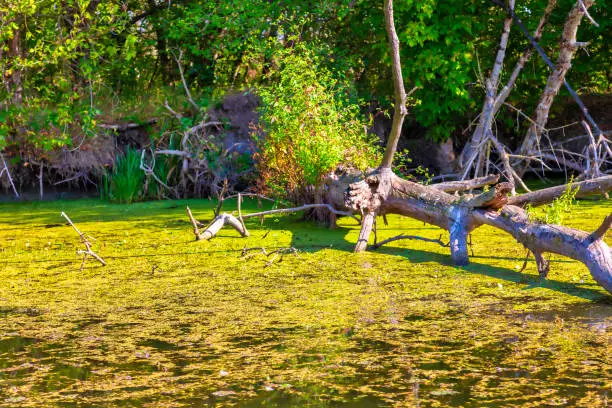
[454,186]
[599,185]
[567,49]
[6,170]
[88,251]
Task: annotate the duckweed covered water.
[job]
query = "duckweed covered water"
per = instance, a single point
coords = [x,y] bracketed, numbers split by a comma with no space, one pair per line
[174,322]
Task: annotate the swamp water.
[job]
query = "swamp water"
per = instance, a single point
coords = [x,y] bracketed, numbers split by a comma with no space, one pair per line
[173,322]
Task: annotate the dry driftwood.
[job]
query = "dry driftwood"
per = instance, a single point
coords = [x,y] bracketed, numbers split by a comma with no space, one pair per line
[88,251]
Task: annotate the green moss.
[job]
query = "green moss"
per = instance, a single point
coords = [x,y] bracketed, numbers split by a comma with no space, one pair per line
[173,322]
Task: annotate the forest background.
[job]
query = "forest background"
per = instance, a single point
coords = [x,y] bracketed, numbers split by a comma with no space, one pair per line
[151,99]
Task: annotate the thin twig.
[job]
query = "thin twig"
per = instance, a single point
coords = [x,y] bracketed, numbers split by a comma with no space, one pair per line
[415,237]
[586,13]
[85,241]
[221,197]
[240,212]
[301,208]
[8,174]
[276,252]
[180,68]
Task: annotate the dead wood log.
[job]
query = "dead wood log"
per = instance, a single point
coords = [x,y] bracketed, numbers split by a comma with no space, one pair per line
[238,224]
[216,225]
[590,249]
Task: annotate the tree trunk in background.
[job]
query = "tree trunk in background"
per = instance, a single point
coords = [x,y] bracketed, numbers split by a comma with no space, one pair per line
[476,152]
[163,58]
[15,77]
[567,48]
[382,192]
[473,148]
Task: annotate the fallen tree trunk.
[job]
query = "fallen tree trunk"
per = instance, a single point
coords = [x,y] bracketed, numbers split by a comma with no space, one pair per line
[460,217]
[382,192]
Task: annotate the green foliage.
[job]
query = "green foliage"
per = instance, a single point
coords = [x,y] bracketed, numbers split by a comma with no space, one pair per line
[54,54]
[557,210]
[124,183]
[401,166]
[310,125]
[80,62]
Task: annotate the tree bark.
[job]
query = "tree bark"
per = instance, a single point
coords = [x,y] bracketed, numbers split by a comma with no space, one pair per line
[398,84]
[599,185]
[473,148]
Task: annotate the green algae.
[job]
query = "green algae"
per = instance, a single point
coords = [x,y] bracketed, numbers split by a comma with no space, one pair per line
[174,322]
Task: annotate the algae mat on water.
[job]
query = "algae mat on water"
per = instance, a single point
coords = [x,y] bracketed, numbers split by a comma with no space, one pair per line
[173,322]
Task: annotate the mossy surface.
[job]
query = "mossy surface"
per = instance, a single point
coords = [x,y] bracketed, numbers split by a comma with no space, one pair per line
[174,322]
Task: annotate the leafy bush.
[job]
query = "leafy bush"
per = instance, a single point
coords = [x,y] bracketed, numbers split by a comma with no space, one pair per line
[555,212]
[308,125]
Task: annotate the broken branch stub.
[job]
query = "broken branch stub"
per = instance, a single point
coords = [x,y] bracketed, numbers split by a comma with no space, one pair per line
[216,225]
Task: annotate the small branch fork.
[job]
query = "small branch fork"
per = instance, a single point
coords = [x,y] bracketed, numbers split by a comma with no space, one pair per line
[149,170]
[88,251]
[221,220]
[276,252]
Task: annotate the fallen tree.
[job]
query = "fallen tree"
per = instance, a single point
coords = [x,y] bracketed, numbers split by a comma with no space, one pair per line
[382,192]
